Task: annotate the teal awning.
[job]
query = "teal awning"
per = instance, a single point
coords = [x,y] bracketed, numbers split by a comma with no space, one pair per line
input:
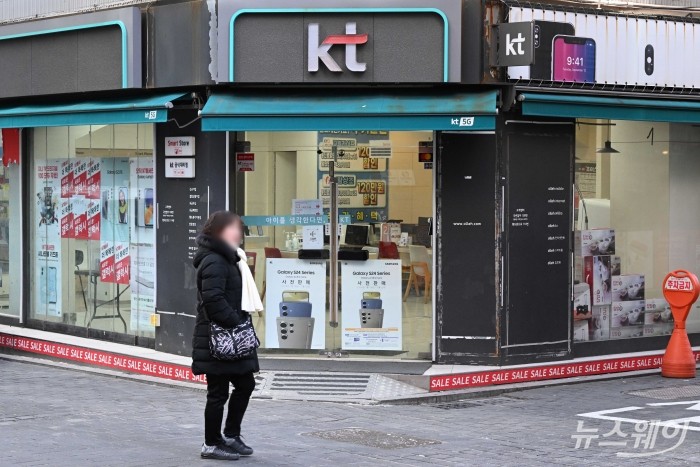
[349,111]
[151,109]
[610,108]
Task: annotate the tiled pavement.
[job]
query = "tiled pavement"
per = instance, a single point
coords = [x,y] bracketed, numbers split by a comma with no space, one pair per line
[59,417]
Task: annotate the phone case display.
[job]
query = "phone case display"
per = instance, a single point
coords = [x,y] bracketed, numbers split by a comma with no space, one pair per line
[583,309]
[599,325]
[296,290]
[628,288]
[658,319]
[375,286]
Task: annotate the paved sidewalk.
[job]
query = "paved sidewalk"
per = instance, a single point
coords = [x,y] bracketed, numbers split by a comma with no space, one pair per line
[58,417]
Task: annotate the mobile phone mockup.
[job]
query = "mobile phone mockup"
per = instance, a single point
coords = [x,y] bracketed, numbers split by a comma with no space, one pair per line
[148,207]
[295,304]
[295,332]
[544,34]
[371,303]
[371,318]
[123,204]
[105,204]
[573,59]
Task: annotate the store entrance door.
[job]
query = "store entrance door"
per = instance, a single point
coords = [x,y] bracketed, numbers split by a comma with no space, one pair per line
[384,208]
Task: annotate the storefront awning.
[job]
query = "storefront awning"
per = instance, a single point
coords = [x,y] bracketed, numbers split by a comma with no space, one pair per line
[349,111]
[609,108]
[151,109]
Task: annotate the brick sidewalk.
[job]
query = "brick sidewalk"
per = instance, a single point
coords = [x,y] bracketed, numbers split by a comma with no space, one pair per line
[58,417]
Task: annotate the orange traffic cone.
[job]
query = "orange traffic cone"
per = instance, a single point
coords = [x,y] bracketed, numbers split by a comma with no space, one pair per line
[681,289]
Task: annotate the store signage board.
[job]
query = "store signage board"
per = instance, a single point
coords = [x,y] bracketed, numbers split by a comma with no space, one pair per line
[515,44]
[179,146]
[245,162]
[179,167]
[592,48]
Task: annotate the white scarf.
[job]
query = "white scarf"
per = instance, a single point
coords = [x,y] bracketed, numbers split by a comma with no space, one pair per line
[250,297]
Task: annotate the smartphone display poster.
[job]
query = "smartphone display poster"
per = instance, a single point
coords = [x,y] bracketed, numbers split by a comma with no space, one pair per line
[371,305]
[142,282]
[295,304]
[114,231]
[573,59]
[615,49]
[47,237]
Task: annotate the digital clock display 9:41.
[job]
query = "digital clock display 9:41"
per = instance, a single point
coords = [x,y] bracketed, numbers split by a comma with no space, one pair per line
[573,59]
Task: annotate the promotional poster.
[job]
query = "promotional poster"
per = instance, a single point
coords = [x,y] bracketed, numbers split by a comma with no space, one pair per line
[295,304]
[362,159]
[371,305]
[114,230]
[580,47]
[47,237]
[142,246]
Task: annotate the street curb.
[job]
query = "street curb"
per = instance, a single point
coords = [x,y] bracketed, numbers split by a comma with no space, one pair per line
[423,399]
[491,391]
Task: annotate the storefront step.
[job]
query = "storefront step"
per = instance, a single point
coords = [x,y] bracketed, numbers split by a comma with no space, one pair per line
[289,379]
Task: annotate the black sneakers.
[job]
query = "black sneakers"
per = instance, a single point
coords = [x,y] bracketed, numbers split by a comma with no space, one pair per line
[221,452]
[236,444]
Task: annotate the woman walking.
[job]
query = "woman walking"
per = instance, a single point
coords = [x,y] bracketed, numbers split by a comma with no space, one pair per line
[226,295]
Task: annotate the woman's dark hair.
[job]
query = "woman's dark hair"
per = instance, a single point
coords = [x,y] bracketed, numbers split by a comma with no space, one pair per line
[218,221]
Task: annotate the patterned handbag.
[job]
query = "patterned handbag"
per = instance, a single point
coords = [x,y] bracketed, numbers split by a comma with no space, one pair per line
[234,343]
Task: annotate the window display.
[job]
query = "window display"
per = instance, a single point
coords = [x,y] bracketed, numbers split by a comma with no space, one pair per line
[637,217]
[92,225]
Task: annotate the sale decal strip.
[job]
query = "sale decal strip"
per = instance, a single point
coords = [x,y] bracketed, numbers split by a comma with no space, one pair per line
[546,372]
[136,365]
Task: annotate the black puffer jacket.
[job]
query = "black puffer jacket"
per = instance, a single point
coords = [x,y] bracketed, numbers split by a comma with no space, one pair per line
[220,287]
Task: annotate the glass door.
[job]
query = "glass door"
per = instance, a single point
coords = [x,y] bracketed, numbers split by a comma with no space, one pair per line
[384,185]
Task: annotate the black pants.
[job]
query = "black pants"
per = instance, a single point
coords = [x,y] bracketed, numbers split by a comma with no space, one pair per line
[217,394]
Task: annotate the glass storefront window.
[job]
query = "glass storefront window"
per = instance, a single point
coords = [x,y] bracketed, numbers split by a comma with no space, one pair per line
[637,218]
[385,203]
[91,219]
[10,235]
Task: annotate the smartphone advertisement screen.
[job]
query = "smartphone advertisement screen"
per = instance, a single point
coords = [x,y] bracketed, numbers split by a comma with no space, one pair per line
[573,59]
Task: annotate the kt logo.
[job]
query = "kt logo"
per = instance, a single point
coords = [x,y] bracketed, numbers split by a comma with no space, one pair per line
[319,51]
[511,44]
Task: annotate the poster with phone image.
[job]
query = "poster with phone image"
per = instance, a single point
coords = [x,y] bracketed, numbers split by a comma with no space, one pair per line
[295,304]
[609,49]
[371,317]
[143,277]
[46,230]
[114,226]
[573,59]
